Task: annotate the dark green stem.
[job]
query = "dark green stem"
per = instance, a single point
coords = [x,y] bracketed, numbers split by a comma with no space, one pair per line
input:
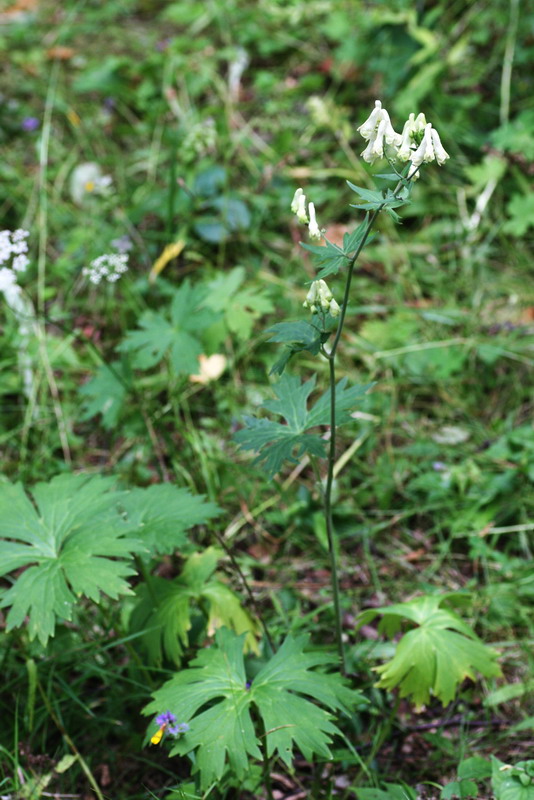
[248,590]
[332,450]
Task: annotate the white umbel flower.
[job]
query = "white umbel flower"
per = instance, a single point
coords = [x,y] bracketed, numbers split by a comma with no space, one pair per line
[108,267]
[313,228]
[7,278]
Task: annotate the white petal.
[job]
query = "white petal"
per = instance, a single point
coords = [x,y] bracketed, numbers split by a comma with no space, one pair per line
[391,136]
[439,150]
[313,227]
[367,129]
[295,201]
[378,141]
[301,209]
[334,309]
[420,123]
[429,148]
[419,155]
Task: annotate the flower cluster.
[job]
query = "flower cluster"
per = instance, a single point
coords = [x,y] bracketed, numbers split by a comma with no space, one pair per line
[298,207]
[108,267]
[168,719]
[13,258]
[419,142]
[320,295]
[200,139]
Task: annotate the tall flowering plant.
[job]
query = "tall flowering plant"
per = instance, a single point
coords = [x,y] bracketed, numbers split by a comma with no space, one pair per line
[408,153]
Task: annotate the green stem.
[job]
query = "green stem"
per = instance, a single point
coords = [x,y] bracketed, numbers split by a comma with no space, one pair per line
[248,590]
[332,450]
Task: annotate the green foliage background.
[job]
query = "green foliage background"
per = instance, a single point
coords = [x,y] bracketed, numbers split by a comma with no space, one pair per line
[435,471]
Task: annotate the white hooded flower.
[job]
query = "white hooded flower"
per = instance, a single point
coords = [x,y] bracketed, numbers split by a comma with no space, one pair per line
[311,297]
[301,209]
[406,145]
[420,123]
[319,294]
[324,294]
[370,125]
[429,150]
[314,230]
[439,151]
[378,129]
[295,201]
[425,151]
[334,308]
[369,153]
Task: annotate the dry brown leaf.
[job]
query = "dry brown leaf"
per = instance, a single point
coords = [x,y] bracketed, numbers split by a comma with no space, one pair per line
[60,53]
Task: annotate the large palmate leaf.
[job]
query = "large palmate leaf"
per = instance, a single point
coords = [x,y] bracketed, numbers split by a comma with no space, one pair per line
[72,541]
[161,515]
[165,608]
[179,337]
[77,539]
[436,656]
[215,699]
[276,442]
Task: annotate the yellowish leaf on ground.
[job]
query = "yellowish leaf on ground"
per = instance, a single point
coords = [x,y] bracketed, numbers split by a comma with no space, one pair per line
[170,252]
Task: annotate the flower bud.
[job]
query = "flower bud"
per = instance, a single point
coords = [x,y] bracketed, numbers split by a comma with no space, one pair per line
[301,209]
[295,201]
[334,309]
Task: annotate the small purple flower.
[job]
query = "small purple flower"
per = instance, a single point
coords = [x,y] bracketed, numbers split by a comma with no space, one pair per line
[167,718]
[439,466]
[183,727]
[30,124]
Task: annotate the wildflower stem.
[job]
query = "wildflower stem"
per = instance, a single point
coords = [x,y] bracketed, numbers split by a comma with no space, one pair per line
[331,356]
[248,590]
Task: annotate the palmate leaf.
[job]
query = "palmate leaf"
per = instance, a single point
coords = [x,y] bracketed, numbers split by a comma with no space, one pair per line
[299,336]
[179,337]
[77,538]
[240,306]
[73,542]
[213,697]
[161,515]
[330,255]
[275,442]
[436,656]
[105,394]
[165,610]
